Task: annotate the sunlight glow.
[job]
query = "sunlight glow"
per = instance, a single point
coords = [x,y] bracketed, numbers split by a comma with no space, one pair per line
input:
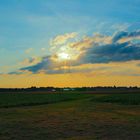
[66,53]
[63,56]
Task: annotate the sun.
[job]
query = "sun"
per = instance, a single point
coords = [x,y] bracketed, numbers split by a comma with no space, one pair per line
[63,56]
[66,53]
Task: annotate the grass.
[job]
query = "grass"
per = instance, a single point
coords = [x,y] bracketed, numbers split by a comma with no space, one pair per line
[126,99]
[69,117]
[29,99]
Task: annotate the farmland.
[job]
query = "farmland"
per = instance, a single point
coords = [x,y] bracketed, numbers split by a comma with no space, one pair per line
[69,116]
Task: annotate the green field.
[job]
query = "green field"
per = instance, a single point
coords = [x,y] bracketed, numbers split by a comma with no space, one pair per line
[69,116]
[29,99]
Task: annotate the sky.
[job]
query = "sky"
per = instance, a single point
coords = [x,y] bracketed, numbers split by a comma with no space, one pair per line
[69,43]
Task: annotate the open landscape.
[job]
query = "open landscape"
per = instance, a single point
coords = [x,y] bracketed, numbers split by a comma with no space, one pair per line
[69,116]
[69,69]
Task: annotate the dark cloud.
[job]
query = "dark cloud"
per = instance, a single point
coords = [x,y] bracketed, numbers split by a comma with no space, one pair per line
[43,65]
[125,34]
[115,52]
[15,72]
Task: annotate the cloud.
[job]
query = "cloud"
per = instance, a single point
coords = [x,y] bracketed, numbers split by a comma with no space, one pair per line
[61,39]
[98,49]
[43,64]
[114,52]
[88,42]
[124,35]
[30,61]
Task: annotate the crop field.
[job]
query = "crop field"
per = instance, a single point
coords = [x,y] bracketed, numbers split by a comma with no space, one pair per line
[30,99]
[69,116]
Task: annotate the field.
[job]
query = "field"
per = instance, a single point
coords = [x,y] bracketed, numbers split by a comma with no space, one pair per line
[69,116]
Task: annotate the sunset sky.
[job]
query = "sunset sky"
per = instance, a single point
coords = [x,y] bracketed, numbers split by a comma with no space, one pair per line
[69,43]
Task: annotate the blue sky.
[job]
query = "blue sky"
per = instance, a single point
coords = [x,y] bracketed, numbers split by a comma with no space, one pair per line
[27,26]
